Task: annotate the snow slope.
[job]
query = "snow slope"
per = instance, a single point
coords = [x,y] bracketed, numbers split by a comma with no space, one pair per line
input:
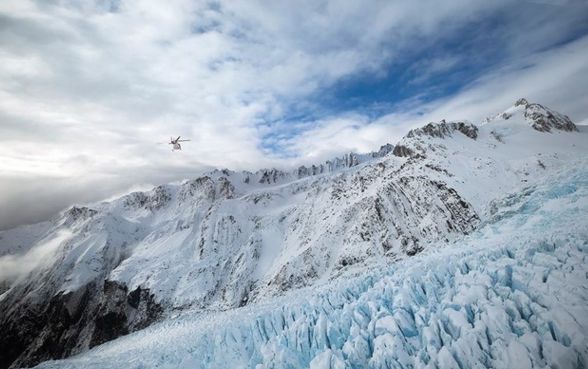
[229,239]
[511,295]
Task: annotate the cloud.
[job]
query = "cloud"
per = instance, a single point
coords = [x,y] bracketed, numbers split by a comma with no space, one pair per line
[15,266]
[88,87]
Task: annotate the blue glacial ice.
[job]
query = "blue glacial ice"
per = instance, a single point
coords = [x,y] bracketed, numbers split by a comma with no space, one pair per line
[512,295]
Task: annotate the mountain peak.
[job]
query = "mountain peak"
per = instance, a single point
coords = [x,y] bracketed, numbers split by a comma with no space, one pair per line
[544,119]
[521,101]
[539,117]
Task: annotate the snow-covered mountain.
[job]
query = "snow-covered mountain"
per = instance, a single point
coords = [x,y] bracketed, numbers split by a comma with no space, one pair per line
[510,295]
[229,239]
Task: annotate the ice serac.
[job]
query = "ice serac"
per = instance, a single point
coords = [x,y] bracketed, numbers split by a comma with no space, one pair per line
[229,239]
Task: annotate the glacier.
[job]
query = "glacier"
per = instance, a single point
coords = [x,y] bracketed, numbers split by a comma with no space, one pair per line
[512,294]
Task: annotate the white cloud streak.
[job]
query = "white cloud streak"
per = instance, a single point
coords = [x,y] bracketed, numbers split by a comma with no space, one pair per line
[15,266]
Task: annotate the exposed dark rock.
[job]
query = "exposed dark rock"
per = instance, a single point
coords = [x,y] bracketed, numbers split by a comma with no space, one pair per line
[544,119]
[226,188]
[402,151]
[136,200]
[468,129]
[121,312]
[80,213]
[384,150]
[444,129]
[346,161]
[270,176]
[438,169]
[287,280]
[152,200]
[497,136]
[202,187]
[412,145]
[158,198]
[36,332]
[541,165]
[72,322]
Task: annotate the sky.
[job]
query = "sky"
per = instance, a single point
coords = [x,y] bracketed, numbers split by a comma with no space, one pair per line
[90,88]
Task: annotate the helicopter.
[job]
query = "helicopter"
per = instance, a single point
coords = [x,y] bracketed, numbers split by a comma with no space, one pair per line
[176,143]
